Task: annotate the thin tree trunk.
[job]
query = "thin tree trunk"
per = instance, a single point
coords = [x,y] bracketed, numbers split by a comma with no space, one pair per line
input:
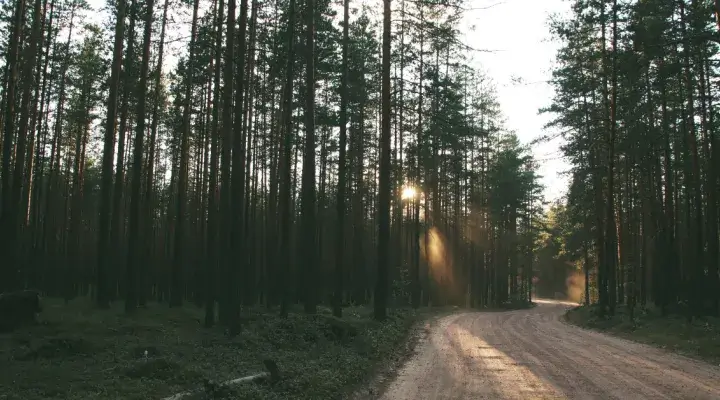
[176,291]
[381,287]
[283,261]
[104,257]
[117,227]
[238,249]
[226,250]
[308,247]
[135,259]
[342,167]
[149,200]
[213,217]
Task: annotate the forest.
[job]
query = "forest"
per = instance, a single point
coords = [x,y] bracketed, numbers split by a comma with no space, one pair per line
[636,87]
[305,180]
[290,157]
[284,158]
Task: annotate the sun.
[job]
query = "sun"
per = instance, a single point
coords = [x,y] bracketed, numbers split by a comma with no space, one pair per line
[408,192]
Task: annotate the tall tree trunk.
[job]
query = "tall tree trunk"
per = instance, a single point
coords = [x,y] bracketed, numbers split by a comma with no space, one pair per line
[238,249]
[416,300]
[696,245]
[308,247]
[176,291]
[9,273]
[135,239]
[342,167]
[381,287]
[12,212]
[149,200]
[610,227]
[713,189]
[601,215]
[249,286]
[35,126]
[104,257]
[213,217]
[285,200]
[117,228]
[226,250]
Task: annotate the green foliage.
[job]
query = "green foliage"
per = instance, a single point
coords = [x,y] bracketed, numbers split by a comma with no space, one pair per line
[634,101]
[512,177]
[86,78]
[559,254]
[77,352]
[699,339]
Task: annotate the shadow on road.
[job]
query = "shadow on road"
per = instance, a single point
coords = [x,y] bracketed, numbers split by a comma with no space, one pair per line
[532,354]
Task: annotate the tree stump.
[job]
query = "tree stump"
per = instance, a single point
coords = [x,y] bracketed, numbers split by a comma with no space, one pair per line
[18,309]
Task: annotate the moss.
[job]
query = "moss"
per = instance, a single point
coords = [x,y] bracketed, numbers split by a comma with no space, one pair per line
[698,339]
[80,352]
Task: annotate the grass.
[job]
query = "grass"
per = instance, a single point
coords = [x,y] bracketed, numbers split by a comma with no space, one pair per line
[699,339]
[79,352]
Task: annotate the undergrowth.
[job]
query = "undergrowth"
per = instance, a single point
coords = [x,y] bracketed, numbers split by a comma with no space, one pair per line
[79,352]
[699,339]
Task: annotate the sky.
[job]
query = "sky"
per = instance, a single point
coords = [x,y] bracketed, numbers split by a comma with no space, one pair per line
[520,48]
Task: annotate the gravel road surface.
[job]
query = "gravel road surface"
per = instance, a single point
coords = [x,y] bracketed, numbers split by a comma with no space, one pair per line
[534,354]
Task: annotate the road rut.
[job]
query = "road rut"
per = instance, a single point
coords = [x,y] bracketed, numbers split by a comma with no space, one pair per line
[534,354]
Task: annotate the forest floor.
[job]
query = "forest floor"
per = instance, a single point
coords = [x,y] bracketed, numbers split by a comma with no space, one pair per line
[79,352]
[699,339]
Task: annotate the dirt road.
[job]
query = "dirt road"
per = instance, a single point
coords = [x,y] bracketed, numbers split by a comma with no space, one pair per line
[533,354]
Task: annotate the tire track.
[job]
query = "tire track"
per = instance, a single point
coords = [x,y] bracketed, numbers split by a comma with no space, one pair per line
[533,354]
[604,372]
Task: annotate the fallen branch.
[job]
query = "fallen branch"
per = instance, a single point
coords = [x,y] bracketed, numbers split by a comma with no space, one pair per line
[273,375]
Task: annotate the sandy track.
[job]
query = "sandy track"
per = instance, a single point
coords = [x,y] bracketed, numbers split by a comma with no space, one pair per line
[533,354]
